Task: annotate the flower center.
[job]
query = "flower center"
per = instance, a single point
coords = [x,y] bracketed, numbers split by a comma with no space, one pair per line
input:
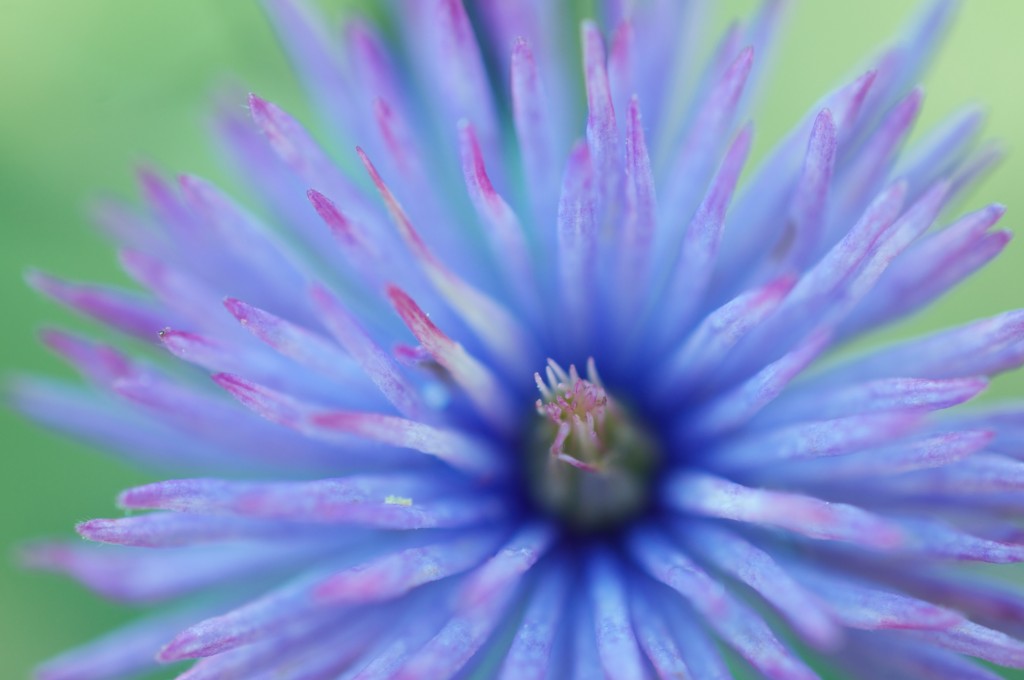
[590,462]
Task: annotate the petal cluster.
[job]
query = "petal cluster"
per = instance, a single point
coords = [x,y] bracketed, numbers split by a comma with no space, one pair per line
[338,385]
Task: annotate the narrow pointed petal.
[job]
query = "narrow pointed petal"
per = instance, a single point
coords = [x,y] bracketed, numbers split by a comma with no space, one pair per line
[147,576]
[581,659]
[217,356]
[805,612]
[930,268]
[481,386]
[297,149]
[708,345]
[484,597]
[712,496]
[299,640]
[167,530]
[530,654]
[616,642]
[622,65]
[422,620]
[127,312]
[873,396]
[371,357]
[814,439]
[706,135]
[454,66]
[577,244]
[494,325]
[459,450]
[737,625]
[875,658]
[106,424]
[984,643]
[942,150]
[182,292]
[385,502]
[755,220]
[807,208]
[857,605]
[311,51]
[984,347]
[124,652]
[820,290]
[737,406]
[273,266]
[933,539]
[602,130]
[399,572]
[921,454]
[656,639]
[638,228]
[861,178]
[505,231]
[983,473]
[692,271]
[532,121]
[295,342]
[254,621]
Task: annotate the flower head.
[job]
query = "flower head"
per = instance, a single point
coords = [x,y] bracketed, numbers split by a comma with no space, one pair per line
[370,485]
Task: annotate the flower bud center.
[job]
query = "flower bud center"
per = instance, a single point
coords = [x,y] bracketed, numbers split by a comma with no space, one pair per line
[589,461]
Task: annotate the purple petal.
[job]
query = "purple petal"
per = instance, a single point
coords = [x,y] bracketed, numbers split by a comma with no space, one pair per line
[146,576]
[983,347]
[873,396]
[737,625]
[128,312]
[484,596]
[656,638]
[737,406]
[451,446]
[529,656]
[807,207]
[374,361]
[503,227]
[711,496]
[167,530]
[857,605]
[708,345]
[879,463]
[978,641]
[814,439]
[494,325]
[295,342]
[577,245]
[694,158]
[388,501]
[638,222]
[691,273]
[602,131]
[807,614]
[616,642]
[533,124]
[301,30]
[124,652]
[399,572]
[483,388]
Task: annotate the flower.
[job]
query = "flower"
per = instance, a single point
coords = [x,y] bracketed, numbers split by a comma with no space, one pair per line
[544,408]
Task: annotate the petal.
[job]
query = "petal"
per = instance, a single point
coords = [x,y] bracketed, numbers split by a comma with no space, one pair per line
[716,497]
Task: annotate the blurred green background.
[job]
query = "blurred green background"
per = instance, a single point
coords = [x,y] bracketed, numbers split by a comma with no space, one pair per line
[88,90]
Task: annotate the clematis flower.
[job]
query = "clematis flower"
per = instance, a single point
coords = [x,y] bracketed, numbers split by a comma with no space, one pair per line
[518,388]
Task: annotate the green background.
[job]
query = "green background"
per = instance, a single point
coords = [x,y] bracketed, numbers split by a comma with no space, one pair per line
[90,89]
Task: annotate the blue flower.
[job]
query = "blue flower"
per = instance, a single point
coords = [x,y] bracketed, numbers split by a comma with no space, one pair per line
[519,406]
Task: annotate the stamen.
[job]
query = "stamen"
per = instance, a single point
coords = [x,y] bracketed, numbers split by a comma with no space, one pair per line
[596,460]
